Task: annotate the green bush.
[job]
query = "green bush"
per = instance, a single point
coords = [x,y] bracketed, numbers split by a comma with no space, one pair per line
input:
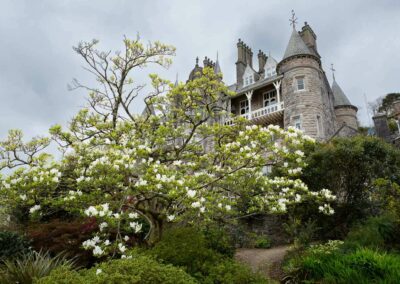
[12,244]
[25,269]
[376,232]
[262,242]
[231,272]
[220,241]
[140,269]
[335,266]
[188,248]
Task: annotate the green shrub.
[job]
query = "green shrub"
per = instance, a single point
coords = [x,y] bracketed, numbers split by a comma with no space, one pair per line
[262,242]
[376,232]
[335,266]
[231,272]
[140,269]
[25,269]
[188,248]
[220,241]
[12,244]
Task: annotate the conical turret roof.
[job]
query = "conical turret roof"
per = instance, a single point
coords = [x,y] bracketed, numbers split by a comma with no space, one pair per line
[340,99]
[296,46]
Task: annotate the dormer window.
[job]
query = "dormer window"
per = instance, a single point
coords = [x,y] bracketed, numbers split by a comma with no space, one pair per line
[270,67]
[248,80]
[248,76]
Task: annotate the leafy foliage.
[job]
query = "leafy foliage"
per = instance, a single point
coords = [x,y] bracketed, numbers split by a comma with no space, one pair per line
[349,167]
[140,269]
[188,248]
[376,233]
[31,265]
[12,244]
[262,242]
[332,266]
[57,236]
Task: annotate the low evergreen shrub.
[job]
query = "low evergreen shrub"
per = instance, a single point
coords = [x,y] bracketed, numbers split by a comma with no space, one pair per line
[333,265]
[140,269]
[377,232]
[12,244]
[262,242]
[188,248]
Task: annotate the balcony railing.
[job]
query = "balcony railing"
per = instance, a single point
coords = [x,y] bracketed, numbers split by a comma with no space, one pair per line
[266,114]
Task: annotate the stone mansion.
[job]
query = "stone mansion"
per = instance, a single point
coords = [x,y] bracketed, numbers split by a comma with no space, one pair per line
[292,92]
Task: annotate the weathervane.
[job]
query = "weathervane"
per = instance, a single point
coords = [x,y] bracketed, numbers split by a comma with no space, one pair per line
[333,71]
[293,20]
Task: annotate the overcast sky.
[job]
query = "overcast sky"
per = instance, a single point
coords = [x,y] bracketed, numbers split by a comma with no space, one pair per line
[362,39]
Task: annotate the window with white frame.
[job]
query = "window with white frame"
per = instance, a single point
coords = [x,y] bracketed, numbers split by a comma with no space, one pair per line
[319,126]
[244,107]
[300,84]
[248,80]
[297,122]
[269,98]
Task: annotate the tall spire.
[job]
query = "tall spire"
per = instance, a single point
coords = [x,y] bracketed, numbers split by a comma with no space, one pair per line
[217,68]
[176,80]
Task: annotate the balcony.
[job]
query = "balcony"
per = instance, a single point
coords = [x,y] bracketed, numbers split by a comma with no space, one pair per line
[266,115]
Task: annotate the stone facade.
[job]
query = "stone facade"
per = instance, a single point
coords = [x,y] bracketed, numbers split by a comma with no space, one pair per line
[293,92]
[346,115]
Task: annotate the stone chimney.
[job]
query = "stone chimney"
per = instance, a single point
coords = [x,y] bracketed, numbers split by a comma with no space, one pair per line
[240,63]
[262,59]
[381,126]
[249,55]
[309,37]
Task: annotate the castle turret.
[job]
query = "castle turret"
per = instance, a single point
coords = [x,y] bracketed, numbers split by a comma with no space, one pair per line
[196,72]
[306,93]
[346,113]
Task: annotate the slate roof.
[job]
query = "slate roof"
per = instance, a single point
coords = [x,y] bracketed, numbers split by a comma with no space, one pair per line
[296,46]
[340,99]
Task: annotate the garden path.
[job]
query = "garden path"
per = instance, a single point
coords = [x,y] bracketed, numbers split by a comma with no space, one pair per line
[266,261]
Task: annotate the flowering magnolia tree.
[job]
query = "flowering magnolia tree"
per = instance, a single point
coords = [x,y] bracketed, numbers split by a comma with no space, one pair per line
[177,161]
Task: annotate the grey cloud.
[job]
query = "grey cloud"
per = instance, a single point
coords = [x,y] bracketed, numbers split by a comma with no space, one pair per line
[360,37]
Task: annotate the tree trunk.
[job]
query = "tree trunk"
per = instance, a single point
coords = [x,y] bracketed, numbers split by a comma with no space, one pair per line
[155,230]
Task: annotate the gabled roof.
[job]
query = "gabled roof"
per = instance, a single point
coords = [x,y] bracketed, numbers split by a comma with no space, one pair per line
[340,99]
[296,46]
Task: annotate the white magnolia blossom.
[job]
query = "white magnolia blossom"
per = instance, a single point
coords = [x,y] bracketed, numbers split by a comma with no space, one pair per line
[35,208]
[98,251]
[136,226]
[326,209]
[98,271]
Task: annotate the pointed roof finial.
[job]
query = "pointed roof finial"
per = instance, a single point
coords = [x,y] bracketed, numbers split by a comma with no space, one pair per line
[293,20]
[333,72]
[197,61]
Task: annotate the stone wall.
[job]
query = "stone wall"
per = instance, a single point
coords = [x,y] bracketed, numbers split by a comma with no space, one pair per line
[310,103]
[347,115]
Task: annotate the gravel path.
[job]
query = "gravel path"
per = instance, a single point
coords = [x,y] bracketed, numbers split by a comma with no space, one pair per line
[266,261]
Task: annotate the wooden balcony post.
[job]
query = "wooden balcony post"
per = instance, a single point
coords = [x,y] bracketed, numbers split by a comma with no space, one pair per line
[277,86]
[249,95]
